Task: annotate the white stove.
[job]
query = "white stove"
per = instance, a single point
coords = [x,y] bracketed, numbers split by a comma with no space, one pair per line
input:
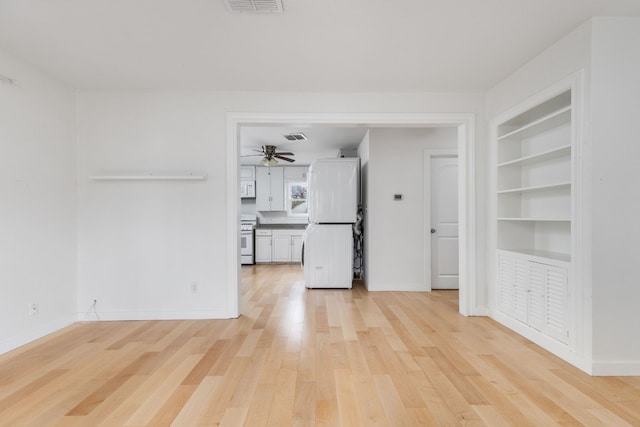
[247,225]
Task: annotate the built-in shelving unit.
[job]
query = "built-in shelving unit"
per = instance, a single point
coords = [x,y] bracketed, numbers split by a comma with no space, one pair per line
[534,152]
[534,179]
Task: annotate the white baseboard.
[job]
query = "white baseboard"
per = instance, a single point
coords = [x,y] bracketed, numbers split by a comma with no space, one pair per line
[559,349]
[394,287]
[480,311]
[151,315]
[617,369]
[32,334]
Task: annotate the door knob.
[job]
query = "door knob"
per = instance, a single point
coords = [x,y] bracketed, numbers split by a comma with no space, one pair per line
[433,230]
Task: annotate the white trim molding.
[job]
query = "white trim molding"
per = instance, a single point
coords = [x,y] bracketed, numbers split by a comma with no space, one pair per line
[465,122]
[110,316]
[616,369]
[35,333]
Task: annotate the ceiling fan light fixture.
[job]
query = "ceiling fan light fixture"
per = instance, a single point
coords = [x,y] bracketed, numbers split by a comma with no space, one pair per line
[268,161]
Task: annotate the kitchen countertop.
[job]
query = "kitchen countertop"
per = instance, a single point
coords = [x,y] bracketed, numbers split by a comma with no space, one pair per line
[281,227]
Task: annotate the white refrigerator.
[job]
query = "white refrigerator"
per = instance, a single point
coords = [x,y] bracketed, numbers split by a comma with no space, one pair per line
[333,197]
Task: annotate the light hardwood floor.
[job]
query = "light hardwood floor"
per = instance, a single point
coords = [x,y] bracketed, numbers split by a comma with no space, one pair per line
[302,357]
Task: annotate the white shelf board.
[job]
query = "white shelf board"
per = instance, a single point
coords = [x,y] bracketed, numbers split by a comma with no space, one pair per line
[150,177]
[559,152]
[547,122]
[534,219]
[557,256]
[536,188]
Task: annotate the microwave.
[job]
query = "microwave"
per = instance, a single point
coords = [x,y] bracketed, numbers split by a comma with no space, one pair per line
[247,189]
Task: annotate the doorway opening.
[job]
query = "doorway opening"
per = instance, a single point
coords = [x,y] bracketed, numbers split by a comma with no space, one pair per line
[464,122]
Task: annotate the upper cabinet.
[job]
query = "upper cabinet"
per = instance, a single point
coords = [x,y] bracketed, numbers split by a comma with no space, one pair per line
[534,179]
[296,173]
[247,182]
[247,173]
[270,188]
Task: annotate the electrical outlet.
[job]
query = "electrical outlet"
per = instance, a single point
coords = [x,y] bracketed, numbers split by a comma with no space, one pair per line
[195,287]
[33,309]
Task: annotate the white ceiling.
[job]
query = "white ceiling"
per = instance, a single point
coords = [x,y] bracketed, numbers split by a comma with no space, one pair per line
[315,45]
[323,141]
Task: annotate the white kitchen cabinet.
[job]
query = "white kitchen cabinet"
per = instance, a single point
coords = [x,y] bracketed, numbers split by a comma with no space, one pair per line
[247,172]
[263,246]
[247,182]
[295,173]
[279,245]
[296,248]
[534,291]
[270,188]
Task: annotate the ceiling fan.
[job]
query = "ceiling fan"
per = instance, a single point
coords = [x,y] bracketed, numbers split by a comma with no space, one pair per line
[270,155]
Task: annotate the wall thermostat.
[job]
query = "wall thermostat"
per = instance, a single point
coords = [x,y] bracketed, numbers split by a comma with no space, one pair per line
[397,197]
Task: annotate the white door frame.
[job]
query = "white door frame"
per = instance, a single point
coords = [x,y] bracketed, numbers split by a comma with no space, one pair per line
[428,155]
[465,122]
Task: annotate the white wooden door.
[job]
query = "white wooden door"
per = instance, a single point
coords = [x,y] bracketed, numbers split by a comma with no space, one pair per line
[270,189]
[263,189]
[557,307]
[263,249]
[277,188]
[444,223]
[281,248]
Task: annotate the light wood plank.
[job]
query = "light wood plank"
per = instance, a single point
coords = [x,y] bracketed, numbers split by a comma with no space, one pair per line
[299,357]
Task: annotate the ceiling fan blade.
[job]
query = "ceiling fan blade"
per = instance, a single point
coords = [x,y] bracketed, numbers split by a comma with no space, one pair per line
[258,150]
[285,153]
[286,159]
[252,155]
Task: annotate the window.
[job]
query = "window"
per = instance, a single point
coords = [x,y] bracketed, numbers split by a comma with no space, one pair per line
[297,198]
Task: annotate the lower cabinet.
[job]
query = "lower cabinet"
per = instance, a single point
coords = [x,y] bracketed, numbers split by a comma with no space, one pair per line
[535,291]
[296,248]
[278,245]
[281,247]
[263,246]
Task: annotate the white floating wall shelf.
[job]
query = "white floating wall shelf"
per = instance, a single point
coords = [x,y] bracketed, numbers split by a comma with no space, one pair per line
[150,177]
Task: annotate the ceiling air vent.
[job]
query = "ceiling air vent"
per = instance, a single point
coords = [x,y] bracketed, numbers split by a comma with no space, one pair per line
[254,6]
[296,137]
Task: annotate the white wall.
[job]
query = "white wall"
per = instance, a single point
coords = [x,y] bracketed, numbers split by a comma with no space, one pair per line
[37,204]
[565,57]
[395,231]
[615,194]
[142,244]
